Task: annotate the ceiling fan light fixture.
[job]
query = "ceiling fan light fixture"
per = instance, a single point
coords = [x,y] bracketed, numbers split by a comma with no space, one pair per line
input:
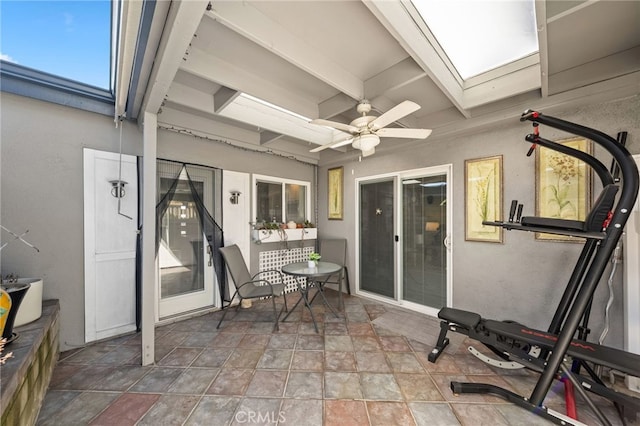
[366,142]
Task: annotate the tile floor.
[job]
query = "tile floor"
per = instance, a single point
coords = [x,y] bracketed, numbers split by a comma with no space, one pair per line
[353,372]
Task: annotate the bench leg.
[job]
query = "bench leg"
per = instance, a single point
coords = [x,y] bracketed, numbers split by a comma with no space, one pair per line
[442,343]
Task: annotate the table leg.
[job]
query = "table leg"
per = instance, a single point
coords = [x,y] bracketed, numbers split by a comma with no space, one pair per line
[320,287]
[304,296]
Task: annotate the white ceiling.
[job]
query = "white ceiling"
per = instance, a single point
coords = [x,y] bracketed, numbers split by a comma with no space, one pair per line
[320,58]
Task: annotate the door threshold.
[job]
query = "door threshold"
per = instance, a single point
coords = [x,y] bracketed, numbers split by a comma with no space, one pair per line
[186,315]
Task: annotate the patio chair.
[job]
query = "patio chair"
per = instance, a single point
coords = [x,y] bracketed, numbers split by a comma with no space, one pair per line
[250,287]
[334,250]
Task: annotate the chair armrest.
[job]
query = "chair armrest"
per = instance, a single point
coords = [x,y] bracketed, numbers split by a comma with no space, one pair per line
[258,281]
[279,272]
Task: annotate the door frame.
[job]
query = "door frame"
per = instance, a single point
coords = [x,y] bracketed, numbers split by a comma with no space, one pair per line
[444,169]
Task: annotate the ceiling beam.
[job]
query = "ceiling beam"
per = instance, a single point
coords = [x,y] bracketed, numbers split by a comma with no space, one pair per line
[248,21]
[396,19]
[335,105]
[223,97]
[196,99]
[394,77]
[267,136]
[130,14]
[602,69]
[210,67]
[503,87]
[182,21]
[543,48]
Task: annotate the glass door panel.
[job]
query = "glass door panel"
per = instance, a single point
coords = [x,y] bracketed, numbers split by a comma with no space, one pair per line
[181,252]
[186,277]
[424,214]
[377,270]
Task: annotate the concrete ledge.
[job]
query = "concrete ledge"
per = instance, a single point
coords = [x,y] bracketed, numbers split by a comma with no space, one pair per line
[25,377]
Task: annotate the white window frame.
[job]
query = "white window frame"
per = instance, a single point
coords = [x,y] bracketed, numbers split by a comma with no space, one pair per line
[272,179]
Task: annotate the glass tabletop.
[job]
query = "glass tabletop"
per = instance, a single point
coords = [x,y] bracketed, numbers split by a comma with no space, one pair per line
[302,269]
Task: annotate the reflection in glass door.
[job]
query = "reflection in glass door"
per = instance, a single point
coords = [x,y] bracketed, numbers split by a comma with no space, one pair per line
[186,273]
[424,214]
[377,262]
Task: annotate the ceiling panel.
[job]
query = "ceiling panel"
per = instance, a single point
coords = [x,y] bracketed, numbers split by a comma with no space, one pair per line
[594,31]
[344,31]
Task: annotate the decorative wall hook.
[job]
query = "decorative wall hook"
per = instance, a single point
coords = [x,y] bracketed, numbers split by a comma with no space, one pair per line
[235,196]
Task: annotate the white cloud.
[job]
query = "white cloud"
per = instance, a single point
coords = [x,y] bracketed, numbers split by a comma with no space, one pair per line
[7,58]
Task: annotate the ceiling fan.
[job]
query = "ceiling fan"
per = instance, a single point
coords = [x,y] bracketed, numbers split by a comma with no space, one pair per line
[364,132]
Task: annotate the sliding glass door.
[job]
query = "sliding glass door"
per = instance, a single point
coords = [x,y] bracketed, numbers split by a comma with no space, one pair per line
[424,233]
[404,233]
[377,268]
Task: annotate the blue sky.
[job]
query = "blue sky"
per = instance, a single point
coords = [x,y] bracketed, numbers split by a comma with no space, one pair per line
[66,38]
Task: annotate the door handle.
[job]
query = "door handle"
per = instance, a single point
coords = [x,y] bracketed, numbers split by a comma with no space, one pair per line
[447,242]
[210,255]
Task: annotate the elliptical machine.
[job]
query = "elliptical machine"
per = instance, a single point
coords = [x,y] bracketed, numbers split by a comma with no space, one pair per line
[602,230]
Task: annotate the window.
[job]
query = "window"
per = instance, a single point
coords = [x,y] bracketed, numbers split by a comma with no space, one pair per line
[281,200]
[69,39]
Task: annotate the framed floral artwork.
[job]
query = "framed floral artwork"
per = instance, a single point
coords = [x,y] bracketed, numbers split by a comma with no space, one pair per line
[563,185]
[483,198]
[335,197]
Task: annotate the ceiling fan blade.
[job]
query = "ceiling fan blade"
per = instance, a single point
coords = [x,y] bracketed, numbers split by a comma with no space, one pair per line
[340,126]
[335,144]
[396,113]
[403,133]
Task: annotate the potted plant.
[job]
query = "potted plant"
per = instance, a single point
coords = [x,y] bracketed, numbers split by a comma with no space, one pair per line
[313,260]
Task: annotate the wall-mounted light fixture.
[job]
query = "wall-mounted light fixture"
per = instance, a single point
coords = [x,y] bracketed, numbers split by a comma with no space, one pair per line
[235,196]
[117,188]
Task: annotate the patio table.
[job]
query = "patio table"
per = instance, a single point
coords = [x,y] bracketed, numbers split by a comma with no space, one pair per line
[302,273]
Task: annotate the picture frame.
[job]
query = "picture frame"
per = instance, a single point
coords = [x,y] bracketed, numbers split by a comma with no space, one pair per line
[563,185]
[335,195]
[483,199]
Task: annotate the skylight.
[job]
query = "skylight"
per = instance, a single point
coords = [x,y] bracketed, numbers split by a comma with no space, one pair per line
[480,35]
[70,39]
[267,116]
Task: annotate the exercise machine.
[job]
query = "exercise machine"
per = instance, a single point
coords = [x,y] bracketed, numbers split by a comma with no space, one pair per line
[513,342]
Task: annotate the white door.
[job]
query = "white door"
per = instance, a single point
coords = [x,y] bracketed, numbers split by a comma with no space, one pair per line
[186,275]
[110,245]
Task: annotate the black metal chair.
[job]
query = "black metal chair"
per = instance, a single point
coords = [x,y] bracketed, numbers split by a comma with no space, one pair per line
[251,287]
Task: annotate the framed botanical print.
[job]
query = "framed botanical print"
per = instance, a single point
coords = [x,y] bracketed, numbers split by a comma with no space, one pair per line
[483,198]
[563,185]
[335,196]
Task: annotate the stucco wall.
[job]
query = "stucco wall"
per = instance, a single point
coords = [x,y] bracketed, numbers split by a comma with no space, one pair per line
[523,278]
[42,189]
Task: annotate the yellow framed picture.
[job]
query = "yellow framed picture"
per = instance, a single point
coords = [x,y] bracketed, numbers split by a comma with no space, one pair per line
[483,198]
[563,186]
[335,196]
